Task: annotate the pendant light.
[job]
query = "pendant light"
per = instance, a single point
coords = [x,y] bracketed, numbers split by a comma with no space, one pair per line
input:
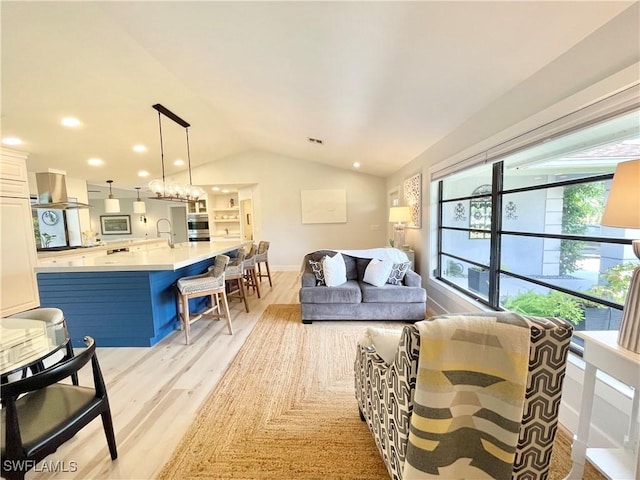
[164,190]
[138,205]
[111,205]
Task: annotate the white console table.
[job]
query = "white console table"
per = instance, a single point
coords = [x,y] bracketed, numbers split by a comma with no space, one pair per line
[602,352]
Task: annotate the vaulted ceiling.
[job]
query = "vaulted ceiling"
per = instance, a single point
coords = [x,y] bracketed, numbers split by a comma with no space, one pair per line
[378,82]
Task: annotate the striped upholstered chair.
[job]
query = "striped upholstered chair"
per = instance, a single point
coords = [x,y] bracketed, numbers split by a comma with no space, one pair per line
[415,439]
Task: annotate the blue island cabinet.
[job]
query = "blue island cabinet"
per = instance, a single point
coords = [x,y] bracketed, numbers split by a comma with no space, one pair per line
[119,308]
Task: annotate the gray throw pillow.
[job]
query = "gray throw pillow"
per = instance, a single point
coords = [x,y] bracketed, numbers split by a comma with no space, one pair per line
[398,271]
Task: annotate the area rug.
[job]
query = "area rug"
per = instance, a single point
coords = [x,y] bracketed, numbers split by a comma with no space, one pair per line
[285,408]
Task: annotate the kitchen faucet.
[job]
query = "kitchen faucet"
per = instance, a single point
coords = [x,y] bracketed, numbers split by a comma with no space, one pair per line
[158,231]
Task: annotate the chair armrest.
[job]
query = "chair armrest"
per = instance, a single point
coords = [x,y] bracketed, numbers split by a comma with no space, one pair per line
[308,279]
[412,279]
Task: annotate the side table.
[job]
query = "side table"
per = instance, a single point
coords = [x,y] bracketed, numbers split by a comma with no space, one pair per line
[602,352]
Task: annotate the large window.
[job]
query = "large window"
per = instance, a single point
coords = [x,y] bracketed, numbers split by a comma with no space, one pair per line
[523,233]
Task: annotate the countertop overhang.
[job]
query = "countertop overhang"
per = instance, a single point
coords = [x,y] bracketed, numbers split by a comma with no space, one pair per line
[153,259]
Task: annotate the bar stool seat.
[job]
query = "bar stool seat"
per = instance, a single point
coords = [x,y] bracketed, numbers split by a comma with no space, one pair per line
[211,283]
[262,256]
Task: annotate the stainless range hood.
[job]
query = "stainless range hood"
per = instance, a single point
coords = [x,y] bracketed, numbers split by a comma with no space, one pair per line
[52,192]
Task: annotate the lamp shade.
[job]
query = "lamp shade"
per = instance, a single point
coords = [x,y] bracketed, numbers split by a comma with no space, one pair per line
[399,214]
[623,205]
[139,207]
[111,205]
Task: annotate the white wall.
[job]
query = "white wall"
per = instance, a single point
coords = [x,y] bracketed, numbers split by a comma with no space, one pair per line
[155,210]
[276,204]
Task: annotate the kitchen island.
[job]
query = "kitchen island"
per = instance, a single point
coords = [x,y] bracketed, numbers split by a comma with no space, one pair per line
[124,299]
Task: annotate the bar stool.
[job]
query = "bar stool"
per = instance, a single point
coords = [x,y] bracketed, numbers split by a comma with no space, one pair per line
[210,283]
[53,316]
[235,273]
[263,257]
[250,276]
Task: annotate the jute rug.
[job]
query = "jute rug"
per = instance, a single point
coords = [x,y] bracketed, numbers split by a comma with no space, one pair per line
[285,409]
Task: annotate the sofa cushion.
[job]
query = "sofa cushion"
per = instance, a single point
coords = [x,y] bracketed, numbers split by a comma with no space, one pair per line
[392,294]
[348,292]
[398,271]
[335,271]
[377,272]
[361,266]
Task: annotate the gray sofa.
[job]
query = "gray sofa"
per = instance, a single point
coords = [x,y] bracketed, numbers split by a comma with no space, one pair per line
[356,299]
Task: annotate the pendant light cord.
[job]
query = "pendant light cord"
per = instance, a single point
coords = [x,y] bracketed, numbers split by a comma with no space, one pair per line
[188,156]
[161,146]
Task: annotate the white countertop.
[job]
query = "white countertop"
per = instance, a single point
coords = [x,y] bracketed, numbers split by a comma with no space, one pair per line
[160,258]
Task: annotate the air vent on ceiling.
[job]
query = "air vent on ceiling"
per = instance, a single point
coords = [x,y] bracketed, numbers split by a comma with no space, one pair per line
[315,140]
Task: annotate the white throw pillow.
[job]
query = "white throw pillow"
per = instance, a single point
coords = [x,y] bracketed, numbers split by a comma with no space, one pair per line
[378,272]
[385,341]
[335,271]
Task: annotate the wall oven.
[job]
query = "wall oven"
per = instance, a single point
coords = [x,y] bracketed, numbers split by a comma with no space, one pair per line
[198,227]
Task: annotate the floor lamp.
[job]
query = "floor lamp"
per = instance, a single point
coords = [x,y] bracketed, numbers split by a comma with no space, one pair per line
[398,216]
[623,210]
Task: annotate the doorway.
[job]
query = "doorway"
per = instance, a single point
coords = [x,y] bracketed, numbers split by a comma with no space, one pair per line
[246,212]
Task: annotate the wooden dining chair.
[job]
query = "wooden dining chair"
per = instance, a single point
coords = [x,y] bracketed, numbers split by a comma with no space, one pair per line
[262,256]
[234,278]
[40,414]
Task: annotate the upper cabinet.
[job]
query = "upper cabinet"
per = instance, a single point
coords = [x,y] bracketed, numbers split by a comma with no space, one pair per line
[18,247]
[200,206]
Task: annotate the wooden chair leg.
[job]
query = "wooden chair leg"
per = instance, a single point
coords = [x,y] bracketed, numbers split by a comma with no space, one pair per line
[243,294]
[268,273]
[186,317]
[227,314]
[254,277]
[107,423]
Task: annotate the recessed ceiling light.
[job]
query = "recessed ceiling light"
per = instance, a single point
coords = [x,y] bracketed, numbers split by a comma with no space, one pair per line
[70,122]
[215,189]
[356,164]
[179,162]
[143,173]
[95,161]
[225,191]
[11,141]
[139,148]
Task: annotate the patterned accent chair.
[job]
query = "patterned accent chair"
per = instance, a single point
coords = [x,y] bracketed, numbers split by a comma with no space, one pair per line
[385,396]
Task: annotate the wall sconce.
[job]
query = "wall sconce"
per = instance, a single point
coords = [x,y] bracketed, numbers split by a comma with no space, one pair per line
[111,205]
[399,215]
[623,211]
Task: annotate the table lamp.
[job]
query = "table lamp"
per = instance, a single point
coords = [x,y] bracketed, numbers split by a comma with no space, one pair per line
[397,216]
[623,210]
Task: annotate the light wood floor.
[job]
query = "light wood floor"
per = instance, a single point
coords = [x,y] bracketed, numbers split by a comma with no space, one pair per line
[156,392]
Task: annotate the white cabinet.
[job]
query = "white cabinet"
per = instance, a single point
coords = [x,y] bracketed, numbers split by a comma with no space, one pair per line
[17,245]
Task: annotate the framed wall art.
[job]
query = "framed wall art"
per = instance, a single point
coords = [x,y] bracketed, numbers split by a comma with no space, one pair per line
[324,206]
[413,198]
[115,224]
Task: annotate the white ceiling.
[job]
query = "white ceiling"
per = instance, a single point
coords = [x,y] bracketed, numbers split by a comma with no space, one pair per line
[379,82]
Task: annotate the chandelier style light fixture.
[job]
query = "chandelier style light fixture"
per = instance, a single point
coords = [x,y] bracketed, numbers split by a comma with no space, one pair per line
[173,191]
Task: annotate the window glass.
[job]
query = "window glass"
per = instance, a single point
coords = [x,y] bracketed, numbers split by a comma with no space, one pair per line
[464,184]
[459,244]
[466,276]
[594,150]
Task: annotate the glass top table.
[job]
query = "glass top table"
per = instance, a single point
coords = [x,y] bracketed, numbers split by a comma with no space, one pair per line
[25,342]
